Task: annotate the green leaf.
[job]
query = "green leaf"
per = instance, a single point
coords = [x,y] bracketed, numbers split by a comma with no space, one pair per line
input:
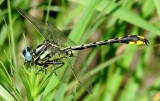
[157,4]
[123,14]
[79,29]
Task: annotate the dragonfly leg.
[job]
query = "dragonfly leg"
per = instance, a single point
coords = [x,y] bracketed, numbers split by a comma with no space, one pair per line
[47,63]
[57,64]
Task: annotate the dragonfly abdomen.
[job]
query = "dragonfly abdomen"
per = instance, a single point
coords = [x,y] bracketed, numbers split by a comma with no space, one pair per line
[131,39]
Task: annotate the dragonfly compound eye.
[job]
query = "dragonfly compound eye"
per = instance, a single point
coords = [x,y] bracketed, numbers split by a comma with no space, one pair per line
[26,54]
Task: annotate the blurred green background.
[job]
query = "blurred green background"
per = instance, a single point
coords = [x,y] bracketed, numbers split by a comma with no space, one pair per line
[119,72]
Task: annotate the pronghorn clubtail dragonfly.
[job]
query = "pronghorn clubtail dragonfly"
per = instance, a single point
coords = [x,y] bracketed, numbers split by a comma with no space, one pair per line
[57,48]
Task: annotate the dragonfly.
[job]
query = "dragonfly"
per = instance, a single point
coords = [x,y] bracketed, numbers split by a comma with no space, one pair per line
[57,49]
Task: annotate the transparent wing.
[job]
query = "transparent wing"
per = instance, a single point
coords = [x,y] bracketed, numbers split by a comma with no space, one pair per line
[80,73]
[78,68]
[63,73]
[48,31]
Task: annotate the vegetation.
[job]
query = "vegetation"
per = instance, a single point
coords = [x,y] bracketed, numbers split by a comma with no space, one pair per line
[119,72]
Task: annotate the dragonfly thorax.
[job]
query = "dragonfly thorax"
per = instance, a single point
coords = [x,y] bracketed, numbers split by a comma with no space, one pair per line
[45,53]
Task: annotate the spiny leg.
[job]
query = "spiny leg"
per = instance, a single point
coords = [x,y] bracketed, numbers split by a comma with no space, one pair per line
[56,63]
[47,63]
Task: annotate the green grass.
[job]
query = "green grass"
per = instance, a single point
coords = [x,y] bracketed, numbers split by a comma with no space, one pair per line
[119,72]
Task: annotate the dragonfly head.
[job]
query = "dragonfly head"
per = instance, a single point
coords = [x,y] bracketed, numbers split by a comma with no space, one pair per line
[27,54]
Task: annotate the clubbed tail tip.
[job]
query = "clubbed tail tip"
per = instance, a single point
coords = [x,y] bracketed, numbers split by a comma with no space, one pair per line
[146,41]
[142,40]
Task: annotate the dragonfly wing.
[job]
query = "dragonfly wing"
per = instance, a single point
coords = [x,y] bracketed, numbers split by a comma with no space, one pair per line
[61,71]
[62,39]
[78,68]
[48,31]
